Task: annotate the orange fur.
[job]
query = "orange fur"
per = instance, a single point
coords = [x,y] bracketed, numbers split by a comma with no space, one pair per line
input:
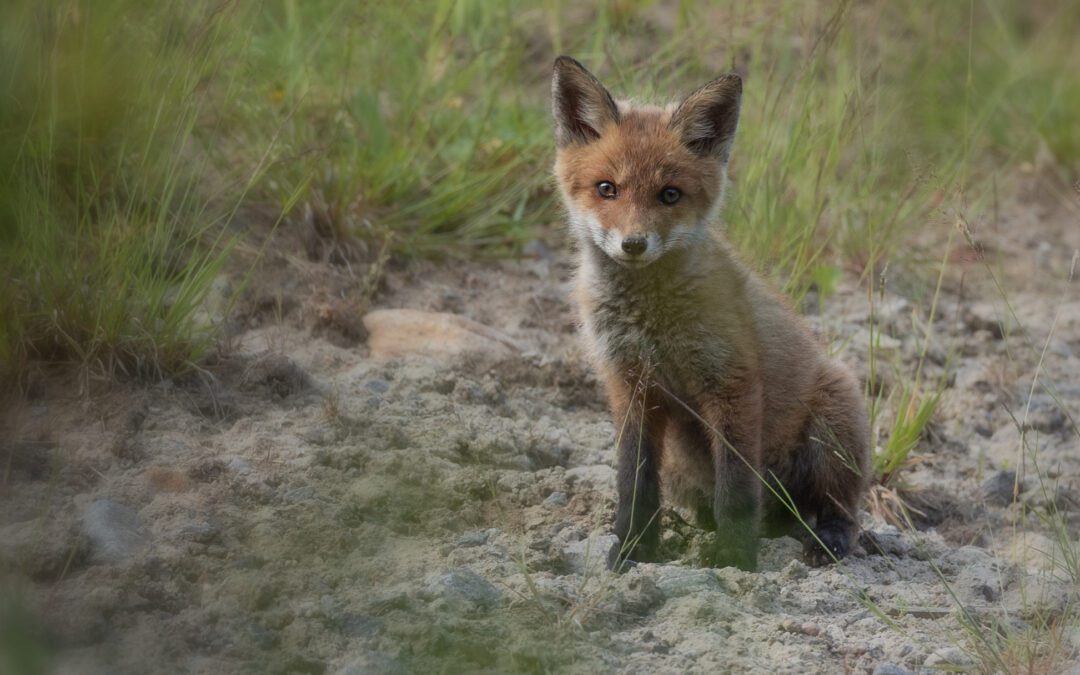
[716,385]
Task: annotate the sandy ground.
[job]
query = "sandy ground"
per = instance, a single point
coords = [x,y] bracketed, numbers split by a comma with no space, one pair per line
[306,506]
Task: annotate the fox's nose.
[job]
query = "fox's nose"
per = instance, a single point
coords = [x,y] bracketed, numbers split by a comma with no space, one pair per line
[635,245]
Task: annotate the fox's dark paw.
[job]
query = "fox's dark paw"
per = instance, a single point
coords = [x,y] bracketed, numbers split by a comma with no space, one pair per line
[835,538]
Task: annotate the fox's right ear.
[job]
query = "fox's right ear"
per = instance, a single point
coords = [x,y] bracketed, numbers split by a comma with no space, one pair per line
[580,104]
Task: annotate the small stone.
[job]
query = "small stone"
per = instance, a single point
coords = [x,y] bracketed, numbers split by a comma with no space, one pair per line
[592,554]
[470,539]
[1043,414]
[396,333]
[674,581]
[114,531]
[377,385]
[556,499]
[885,540]
[891,669]
[984,316]
[947,658]
[998,488]
[463,589]
[238,465]
[973,376]
[795,570]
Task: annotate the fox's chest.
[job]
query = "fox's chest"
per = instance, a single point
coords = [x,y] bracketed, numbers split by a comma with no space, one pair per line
[667,337]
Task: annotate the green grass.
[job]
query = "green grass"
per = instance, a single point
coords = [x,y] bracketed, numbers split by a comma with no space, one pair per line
[109,241]
[130,134]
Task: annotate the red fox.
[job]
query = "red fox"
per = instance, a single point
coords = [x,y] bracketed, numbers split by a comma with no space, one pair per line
[718,390]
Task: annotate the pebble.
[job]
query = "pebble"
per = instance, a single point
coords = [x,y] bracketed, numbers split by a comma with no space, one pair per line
[947,658]
[674,581]
[475,538]
[891,669]
[592,554]
[463,589]
[114,531]
[377,385]
[556,499]
[998,488]
[396,333]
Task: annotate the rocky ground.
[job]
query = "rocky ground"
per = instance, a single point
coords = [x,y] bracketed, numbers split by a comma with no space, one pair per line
[424,493]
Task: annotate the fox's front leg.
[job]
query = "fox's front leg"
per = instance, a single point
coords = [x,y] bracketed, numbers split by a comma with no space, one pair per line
[735,446]
[639,425]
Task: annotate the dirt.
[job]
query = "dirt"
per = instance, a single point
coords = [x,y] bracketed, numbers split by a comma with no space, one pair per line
[302,506]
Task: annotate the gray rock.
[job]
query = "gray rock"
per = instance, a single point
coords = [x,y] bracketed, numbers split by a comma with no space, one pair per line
[947,658]
[998,488]
[591,555]
[377,385]
[474,538]
[556,499]
[238,465]
[885,540]
[674,581]
[114,531]
[891,669]
[981,577]
[1044,414]
[462,589]
[973,376]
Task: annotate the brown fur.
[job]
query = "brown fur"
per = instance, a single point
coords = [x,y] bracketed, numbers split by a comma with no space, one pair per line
[717,387]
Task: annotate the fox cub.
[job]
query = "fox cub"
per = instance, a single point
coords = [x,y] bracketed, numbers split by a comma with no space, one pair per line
[718,391]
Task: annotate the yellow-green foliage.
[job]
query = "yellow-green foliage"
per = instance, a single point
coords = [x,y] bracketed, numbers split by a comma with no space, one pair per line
[130,130]
[104,256]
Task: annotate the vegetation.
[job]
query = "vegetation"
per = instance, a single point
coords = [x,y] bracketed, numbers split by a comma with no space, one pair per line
[130,135]
[133,135]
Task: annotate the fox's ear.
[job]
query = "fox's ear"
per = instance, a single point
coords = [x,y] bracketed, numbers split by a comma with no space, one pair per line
[580,104]
[707,119]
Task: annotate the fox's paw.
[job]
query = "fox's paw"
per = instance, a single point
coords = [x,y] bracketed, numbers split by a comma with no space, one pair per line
[835,537]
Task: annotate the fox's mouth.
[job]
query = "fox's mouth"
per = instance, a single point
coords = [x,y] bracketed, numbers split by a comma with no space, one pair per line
[633,263]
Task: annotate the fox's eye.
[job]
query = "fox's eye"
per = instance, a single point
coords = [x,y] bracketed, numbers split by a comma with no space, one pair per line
[670,195]
[606,189]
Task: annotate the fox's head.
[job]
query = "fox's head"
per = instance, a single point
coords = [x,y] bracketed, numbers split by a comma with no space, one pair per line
[641,181]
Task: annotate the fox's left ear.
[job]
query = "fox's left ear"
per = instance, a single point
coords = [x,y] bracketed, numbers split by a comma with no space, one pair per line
[707,119]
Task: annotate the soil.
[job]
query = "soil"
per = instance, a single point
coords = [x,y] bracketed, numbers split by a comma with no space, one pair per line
[301,504]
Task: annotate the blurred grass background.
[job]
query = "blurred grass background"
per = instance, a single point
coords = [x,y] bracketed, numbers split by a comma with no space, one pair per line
[132,135]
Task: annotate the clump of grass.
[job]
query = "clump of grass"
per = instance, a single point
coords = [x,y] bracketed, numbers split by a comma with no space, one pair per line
[108,243]
[913,413]
[441,142]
